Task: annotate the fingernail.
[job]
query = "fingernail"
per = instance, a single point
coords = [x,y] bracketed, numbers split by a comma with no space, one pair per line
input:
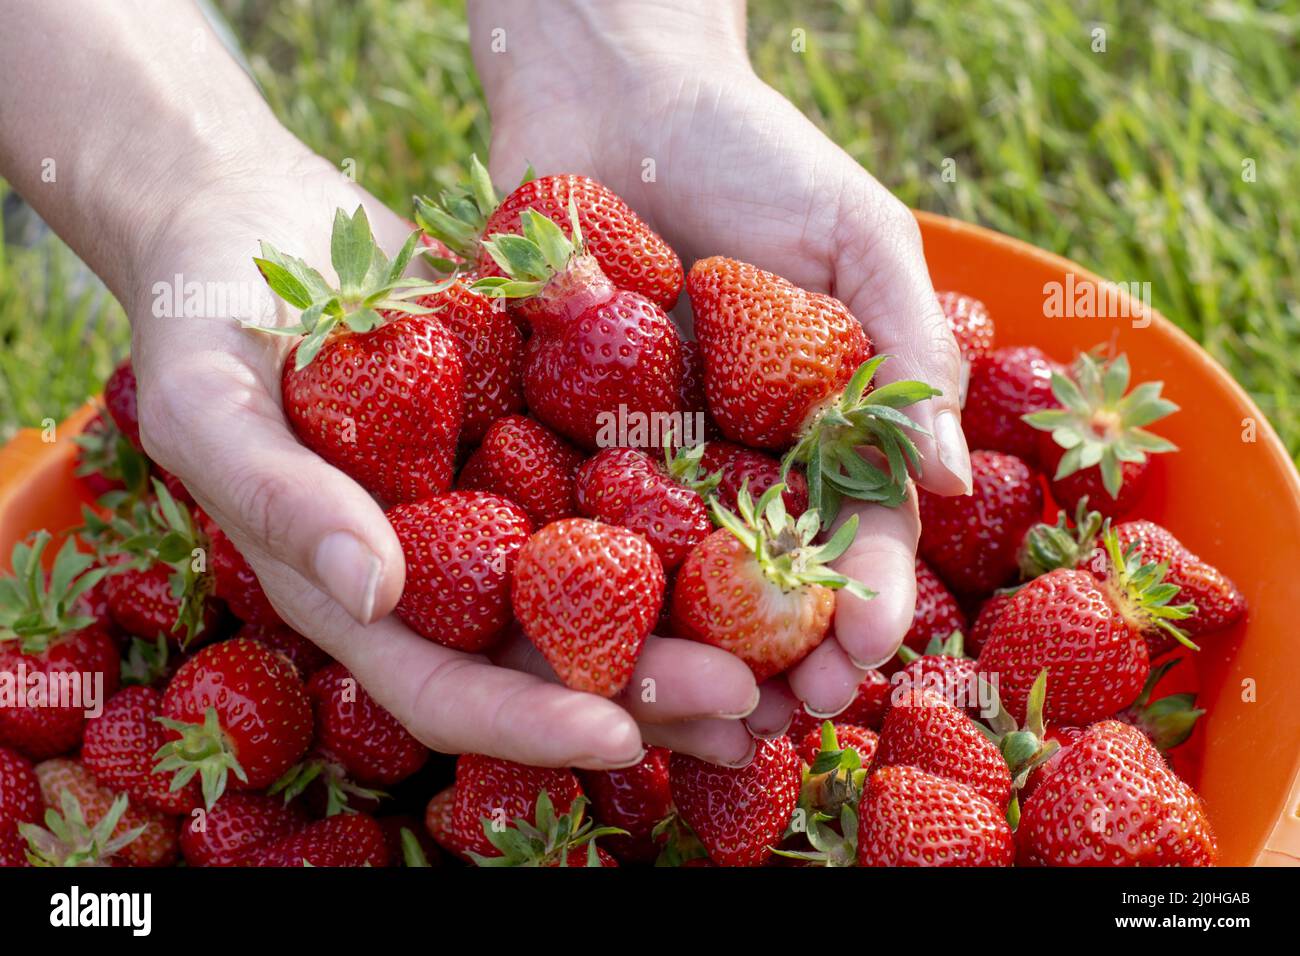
[871,665]
[600,763]
[753,706]
[952,447]
[770,734]
[828,714]
[349,571]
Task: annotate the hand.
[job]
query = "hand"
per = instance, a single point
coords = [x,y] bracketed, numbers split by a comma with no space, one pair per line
[739,171]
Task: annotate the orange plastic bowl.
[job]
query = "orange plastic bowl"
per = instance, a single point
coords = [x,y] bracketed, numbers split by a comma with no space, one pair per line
[1235,502]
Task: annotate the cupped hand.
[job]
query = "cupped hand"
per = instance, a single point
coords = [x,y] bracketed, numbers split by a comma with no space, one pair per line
[210,412]
[720,164]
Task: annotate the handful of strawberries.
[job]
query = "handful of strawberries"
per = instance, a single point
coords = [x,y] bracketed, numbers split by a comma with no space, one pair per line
[557,460]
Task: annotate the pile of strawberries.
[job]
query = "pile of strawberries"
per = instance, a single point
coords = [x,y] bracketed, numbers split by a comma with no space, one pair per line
[557,461]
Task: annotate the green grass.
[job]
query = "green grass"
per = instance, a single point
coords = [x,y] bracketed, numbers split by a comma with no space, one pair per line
[1128,161]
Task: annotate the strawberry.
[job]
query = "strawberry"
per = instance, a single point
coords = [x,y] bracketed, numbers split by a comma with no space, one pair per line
[785,368]
[985,619]
[598,355]
[867,709]
[554,840]
[847,736]
[626,487]
[634,799]
[525,461]
[1005,385]
[20,802]
[587,595]
[119,749]
[491,793]
[1094,445]
[88,825]
[48,645]
[377,396]
[738,814]
[346,840]
[234,707]
[736,466]
[237,826]
[1088,634]
[305,656]
[439,823]
[971,540]
[759,588]
[106,460]
[693,400]
[120,401]
[460,549]
[1111,800]
[926,731]
[968,318]
[142,602]
[628,250]
[908,817]
[235,582]
[943,668]
[492,354]
[936,614]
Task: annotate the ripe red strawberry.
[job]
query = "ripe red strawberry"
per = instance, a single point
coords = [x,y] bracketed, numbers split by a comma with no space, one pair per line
[937,613]
[525,461]
[693,400]
[106,460]
[867,709]
[599,355]
[88,825]
[738,814]
[234,581]
[305,656]
[1094,446]
[378,397]
[943,668]
[908,817]
[1111,800]
[923,730]
[737,467]
[236,826]
[985,619]
[499,792]
[356,732]
[628,250]
[120,748]
[1005,385]
[48,644]
[968,318]
[345,840]
[861,739]
[120,401]
[786,367]
[20,802]
[439,823]
[1088,634]
[971,540]
[587,595]
[626,487]
[634,799]
[142,602]
[237,716]
[492,354]
[460,549]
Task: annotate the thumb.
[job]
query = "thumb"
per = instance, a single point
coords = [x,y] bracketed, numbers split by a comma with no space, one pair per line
[213,422]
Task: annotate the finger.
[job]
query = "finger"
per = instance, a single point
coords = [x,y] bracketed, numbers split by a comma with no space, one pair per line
[883,557]
[826,680]
[724,742]
[771,718]
[462,703]
[881,275]
[208,418]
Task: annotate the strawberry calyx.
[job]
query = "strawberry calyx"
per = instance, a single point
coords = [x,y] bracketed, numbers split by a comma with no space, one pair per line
[954,645]
[857,418]
[339,789]
[202,749]
[67,840]
[145,662]
[105,450]
[35,610]
[1141,592]
[1024,747]
[542,255]
[458,216]
[679,842]
[683,466]
[1047,547]
[371,287]
[1098,424]
[547,843]
[1168,721]
[413,854]
[783,547]
[835,777]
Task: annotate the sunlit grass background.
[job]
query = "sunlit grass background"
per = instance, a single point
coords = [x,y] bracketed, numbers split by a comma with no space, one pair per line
[1127,161]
